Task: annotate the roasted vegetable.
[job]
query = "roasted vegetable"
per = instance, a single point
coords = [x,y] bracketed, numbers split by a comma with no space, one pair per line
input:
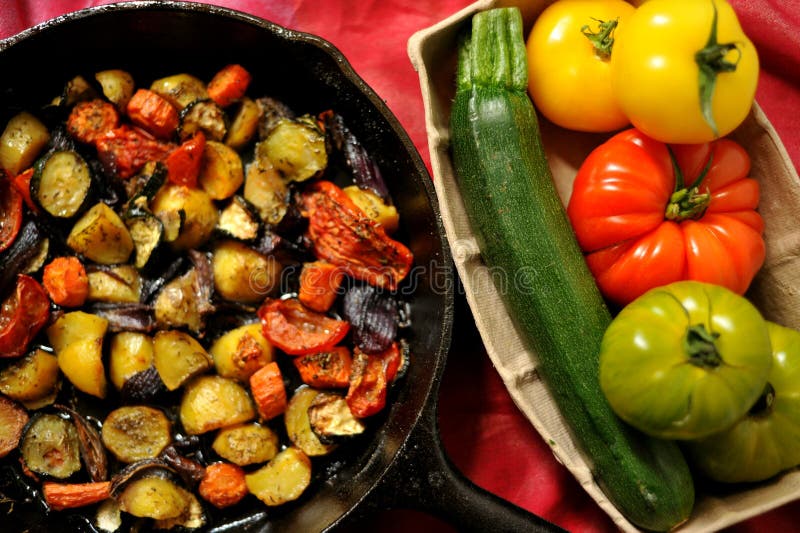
[120,284]
[213,402]
[129,353]
[77,338]
[373,317]
[13,419]
[23,138]
[199,214]
[325,369]
[184,162]
[320,284]
[298,426]
[240,352]
[265,190]
[242,274]
[239,220]
[180,89]
[50,446]
[178,357]
[229,84]
[366,394]
[283,479]
[203,116]
[154,497]
[522,229]
[331,419]
[100,235]
[147,233]
[10,211]
[66,282]
[269,391]
[133,433]
[60,496]
[91,119]
[221,173]
[374,207]
[22,314]
[61,183]
[244,124]
[246,444]
[223,485]
[30,378]
[151,111]
[117,85]
[296,148]
[296,330]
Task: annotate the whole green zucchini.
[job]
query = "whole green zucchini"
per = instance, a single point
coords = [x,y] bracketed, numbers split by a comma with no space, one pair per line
[523,231]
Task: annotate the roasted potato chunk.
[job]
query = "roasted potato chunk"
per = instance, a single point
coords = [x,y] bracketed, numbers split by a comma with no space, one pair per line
[100,235]
[130,353]
[180,89]
[244,125]
[13,419]
[77,338]
[177,304]
[281,480]
[214,402]
[119,284]
[154,497]
[199,214]
[117,85]
[178,357]
[296,148]
[265,190]
[241,352]
[242,274]
[298,426]
[21,142]
[221,173]
[374,207]
[136,432]
[246,444]
[31,378]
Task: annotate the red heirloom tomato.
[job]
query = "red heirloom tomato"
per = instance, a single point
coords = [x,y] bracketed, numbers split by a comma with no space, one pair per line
[648,214]
[22,315]
[296,330]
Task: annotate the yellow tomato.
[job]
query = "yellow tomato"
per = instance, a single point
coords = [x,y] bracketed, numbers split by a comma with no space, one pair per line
[568,76]
[658,76]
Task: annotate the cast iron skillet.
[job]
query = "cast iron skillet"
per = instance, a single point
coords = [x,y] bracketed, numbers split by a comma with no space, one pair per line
[402,463]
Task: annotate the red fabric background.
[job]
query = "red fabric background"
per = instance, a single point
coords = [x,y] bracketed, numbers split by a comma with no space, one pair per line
[483,432]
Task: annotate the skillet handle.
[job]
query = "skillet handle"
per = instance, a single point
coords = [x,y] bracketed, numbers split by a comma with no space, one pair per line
[423,478]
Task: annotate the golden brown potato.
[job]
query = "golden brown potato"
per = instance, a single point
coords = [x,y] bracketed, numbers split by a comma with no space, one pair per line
[214,402]
[136,432]
[77,338]
[180,89]
[21,142]
[298,426]
[296,148]
[221,173]
[241,274]
[178,357]
[74,326]
[199,214]
[240,352]
[374,207]
[264,189]
[281,480]
[119,284]
[31,378]
[130,353]
[246,444]
[176,304]
[117,86]
[154,497]
[244,124]
[101,236]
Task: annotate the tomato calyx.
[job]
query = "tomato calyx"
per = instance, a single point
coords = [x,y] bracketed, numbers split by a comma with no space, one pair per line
[701,347]
[687,202]
[711,61]
[603,38]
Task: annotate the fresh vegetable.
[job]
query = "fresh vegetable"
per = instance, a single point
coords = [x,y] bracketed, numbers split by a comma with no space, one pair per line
[268,390]
[152,112]
[569,57]
[22,315]
[645,220]
[343,235]
[685,360]
[223,485]
[299,331]
[523,231]
[764,441]
[684,72]
[229,84]
[91,119]
[60,496]
[320,283]
[66,282]
[10,212]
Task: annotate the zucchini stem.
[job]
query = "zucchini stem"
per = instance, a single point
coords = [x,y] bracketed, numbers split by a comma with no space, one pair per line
[712,60]
[603,38]
[701,347]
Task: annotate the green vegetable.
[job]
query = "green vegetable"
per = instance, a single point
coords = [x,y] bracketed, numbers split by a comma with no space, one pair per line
[523,231]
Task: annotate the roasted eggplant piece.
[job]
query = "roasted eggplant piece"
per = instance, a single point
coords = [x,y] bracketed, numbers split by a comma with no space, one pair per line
[283,479]
[244,124]
[13,419]
[101,235]
[242,274]
[186,300]
[239,220]
[91,447]
[117,85]
[50,446]
[373,317]
[246,444]
[31,378]
[125,317]
[331,419]
[117,284]
[266,191]
[240,352]
[205,116]
[298,426]
[144,386]
[296,148]
[136,432]
[271,111]
[214,402]
[61,183]
[23,251]
[21,142]
[178,357]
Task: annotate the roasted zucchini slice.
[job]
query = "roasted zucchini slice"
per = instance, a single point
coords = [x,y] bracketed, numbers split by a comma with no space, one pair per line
[205,116]
[298,426]
[239,220]
[296,148]
[61,183]
[331,419]
[136,432]
[50,446]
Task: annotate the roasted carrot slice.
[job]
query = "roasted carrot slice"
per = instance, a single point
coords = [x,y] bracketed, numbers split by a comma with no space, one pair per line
[223,485]
[229,84]
[319,285]
[154,113]
[66,282]
[269,391]
[328,369]
[60,496]
[89,120]
[183,164]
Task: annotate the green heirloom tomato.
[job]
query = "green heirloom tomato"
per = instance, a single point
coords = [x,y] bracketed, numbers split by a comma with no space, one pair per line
[685,360]
[767,440]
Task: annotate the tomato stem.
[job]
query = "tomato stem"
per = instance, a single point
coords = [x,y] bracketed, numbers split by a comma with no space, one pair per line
[603,38]
[700,345]
[712,60]
[687,202]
